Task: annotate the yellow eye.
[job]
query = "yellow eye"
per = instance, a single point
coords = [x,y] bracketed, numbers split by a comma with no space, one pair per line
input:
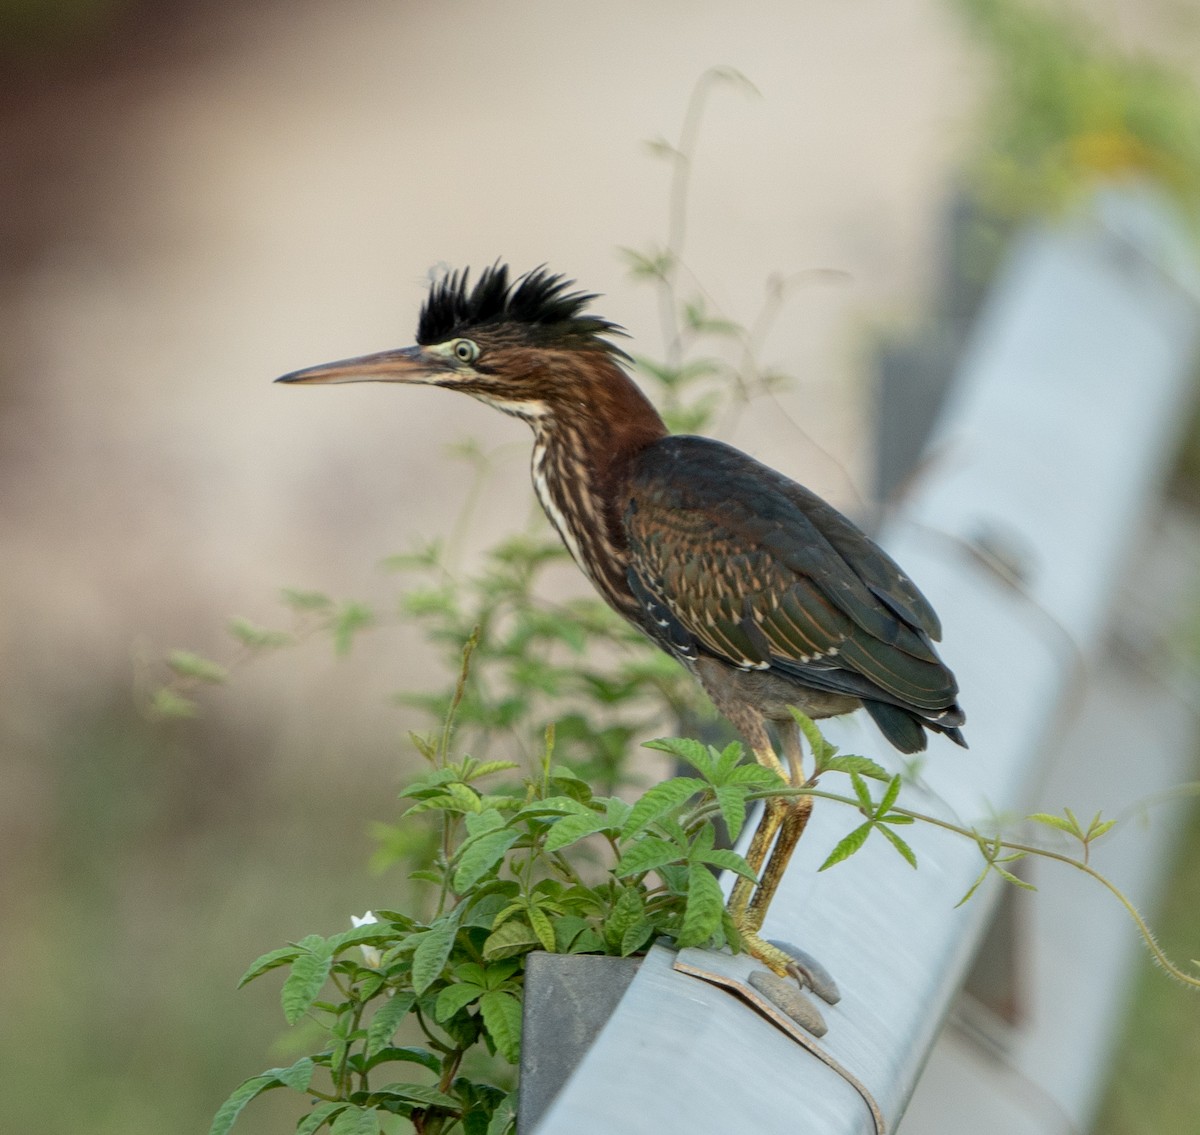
[465,351]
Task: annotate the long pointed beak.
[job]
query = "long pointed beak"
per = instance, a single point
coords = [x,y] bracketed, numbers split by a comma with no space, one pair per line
[408,364]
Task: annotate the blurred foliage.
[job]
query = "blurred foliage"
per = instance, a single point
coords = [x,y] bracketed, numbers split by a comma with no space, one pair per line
[1068,109]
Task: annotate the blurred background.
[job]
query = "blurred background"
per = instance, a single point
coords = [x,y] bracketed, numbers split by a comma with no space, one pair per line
[199,195]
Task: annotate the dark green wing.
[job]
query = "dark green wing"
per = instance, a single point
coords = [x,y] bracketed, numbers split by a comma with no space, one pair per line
[758,571]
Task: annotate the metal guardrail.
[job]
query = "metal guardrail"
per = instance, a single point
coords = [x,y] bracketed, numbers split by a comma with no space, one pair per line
[1037,488]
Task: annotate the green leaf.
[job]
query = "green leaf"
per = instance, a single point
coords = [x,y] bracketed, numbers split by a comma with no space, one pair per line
[647,854]
[686,749]
[298,1076]
[350,619]
[501,1014]
[571,829]
[387,1020]
[487,768]
[409,1054]
[847,846]
[305,600]
[504,1118]
[727,860]
[423,1095]
[731,798]
[541,925]
[480,855]
[259,638]
[660,800]
[636,936]
[319,1116]
[429,958]
[863,793]
[268,961]
[228,1112]
[190,665]
[166,703]
[304,984]
[356,1121]
[702,912]
[515,936]
[864,766]
[889,795]
[629,910]
[899,844]
[455,997]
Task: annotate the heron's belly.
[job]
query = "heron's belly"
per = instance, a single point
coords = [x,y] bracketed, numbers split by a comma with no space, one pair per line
[768,693]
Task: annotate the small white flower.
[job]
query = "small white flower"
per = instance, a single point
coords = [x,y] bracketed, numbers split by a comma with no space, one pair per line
[371,955]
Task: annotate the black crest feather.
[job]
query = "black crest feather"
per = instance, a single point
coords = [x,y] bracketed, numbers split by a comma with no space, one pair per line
[538,307]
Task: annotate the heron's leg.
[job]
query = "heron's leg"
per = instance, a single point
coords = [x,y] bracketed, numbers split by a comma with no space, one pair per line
[794,819]
[764,834]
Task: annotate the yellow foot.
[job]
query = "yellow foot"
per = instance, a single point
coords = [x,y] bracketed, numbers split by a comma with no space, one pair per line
[790,961]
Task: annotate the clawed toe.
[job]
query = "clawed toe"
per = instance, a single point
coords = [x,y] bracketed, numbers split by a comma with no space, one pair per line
[808,972]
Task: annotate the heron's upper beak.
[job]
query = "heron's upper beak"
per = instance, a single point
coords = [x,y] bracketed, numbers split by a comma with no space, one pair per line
[407,364]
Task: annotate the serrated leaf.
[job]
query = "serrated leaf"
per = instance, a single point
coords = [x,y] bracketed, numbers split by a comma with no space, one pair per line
[1009,877]
[636,936]
[731,798]
[987,870]
[847,846]
[755,776]
[304,984]
[501,1014]
[660,800]
[627,911]
[515,936]
[387,1020]
[429,958]
[487,768]
[356,1121]
[687,749]
[298,1076]
[864,766]
[647,854]
[480,855]
[319,1116]
[889,795]
[408,1053]
[899,844]
[541,925]
[228,1112]
[423,1095]
[702,912]
[822,750]
[190,665]
[455,997]
[863,793]
[728,861]
[570,829]
[273,959]
[1052,821]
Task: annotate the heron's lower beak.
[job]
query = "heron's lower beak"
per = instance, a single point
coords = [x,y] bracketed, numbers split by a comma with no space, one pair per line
[408,364]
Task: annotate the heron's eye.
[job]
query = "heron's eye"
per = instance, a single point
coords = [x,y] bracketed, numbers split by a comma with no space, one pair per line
[465,351]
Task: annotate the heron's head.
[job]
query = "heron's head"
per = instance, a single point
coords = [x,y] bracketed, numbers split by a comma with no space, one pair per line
[527,347]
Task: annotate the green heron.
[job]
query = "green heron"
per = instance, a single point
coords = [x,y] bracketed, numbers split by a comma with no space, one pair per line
[767,594]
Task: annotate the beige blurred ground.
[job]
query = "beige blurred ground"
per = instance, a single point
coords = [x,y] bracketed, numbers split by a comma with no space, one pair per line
[268,192]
